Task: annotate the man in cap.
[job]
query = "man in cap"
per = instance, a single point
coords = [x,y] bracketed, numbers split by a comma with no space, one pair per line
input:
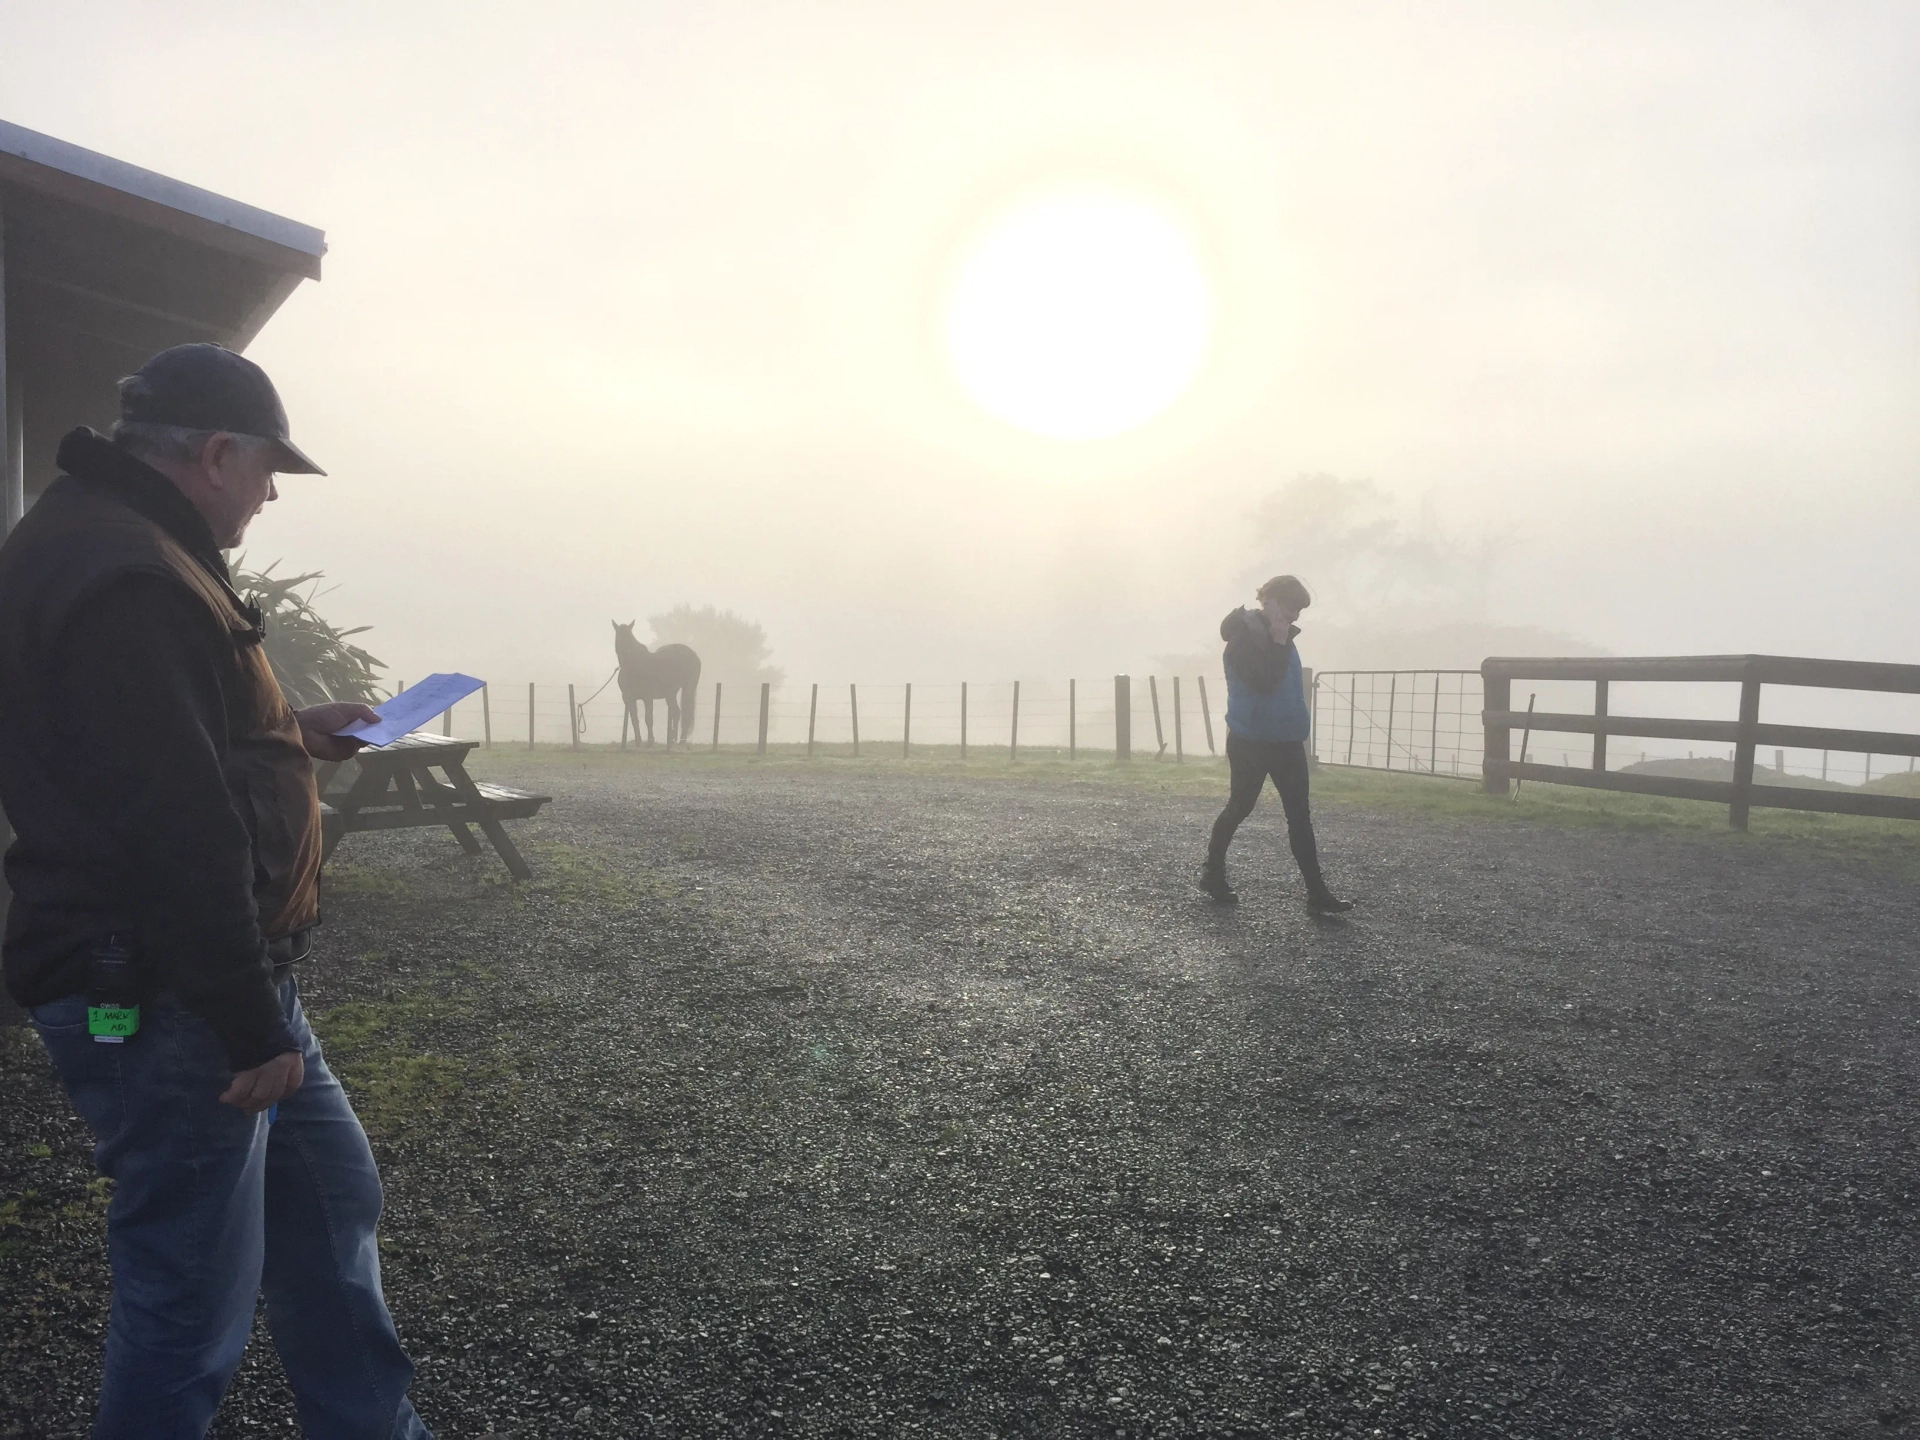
[165,874]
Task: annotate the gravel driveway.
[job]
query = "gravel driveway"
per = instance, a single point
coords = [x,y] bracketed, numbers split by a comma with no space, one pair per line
[833,1102]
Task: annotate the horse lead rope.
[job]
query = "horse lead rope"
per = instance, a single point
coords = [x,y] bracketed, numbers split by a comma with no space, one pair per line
[580,710]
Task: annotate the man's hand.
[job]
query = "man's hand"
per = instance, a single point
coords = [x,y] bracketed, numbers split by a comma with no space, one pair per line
[266,1085]
[318,723]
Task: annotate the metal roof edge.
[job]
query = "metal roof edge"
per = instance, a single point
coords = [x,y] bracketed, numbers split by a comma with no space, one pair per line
[156,189]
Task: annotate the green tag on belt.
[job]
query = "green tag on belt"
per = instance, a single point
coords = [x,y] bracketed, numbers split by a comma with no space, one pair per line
[110,1024]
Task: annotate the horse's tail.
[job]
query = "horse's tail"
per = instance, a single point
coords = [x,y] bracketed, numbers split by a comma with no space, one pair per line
[688,695]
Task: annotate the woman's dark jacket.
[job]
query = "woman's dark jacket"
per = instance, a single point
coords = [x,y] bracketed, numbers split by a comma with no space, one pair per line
[1266,696]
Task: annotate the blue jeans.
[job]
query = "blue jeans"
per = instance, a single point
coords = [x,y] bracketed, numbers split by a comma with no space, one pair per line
[213,1208]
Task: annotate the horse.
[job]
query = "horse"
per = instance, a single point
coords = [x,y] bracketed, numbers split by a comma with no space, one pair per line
[671,673]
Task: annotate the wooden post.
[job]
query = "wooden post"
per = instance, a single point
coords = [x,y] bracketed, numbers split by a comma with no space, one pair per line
[813,713]
[766,699]
[716,715]
[906,725]
[1206,711]
[486,719]
[1780,762]
[1743,753]
[1159,734]
[1179,750]
[573,720]
[1497,742]
[853,703]
[1013,744]
[963,719]
[1123,717]
[446,721]
[1600,730]
[529,715]
[1073,719]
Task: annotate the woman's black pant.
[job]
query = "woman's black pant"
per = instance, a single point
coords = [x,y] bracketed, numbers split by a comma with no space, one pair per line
[1249,763]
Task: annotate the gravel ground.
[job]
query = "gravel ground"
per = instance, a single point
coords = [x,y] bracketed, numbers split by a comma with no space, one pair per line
[833,1102]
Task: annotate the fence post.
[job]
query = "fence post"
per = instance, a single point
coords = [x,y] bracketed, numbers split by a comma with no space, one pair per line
[1206,711]
[853,702]
[766,696]
[1159,734]
[963,719]
[1179,751]
[486,719]
[1073,719]
[530,715]
[1497,743]
[1600,729]
[1743,752]
[906,725]
[573,720]
[813,713]
[716,714]
[1013,744]
[1123,717]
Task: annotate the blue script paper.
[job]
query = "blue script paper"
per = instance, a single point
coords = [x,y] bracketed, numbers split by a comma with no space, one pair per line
[412,708]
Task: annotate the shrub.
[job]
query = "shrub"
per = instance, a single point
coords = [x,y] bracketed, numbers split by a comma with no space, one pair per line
[311,658]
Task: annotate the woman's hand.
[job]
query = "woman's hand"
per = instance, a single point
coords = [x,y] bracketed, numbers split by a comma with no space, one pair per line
[319,722]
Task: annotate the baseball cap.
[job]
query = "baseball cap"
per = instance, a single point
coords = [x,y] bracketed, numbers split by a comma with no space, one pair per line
[208,387]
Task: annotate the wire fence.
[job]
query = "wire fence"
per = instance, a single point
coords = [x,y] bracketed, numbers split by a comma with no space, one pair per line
[1413,721]
[1428,722]
[1166,717]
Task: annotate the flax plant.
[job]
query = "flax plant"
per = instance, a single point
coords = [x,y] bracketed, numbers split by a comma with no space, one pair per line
[311,658]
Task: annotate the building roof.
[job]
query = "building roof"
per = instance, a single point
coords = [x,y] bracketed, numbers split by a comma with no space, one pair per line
[106,263]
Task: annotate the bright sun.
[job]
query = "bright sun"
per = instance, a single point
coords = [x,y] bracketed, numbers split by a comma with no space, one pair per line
[1080,316]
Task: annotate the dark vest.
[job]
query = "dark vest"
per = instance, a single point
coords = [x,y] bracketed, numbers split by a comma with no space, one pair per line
[80,536]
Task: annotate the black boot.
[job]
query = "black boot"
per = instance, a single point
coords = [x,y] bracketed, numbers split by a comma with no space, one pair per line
[1322,901]
[1213,880]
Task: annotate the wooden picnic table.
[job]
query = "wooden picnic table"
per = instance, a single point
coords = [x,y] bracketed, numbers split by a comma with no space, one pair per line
[394,788]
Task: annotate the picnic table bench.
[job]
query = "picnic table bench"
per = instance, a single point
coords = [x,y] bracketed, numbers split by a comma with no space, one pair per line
[394,788]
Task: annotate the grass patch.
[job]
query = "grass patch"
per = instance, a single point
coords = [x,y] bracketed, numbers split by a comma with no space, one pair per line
[580,875]
[1894,843]
[379,1050]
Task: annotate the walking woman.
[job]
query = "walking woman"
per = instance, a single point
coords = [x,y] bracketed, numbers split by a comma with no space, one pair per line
[1268,725]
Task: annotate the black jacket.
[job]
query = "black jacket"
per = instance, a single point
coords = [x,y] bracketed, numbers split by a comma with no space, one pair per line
[1253,654]
[119,692]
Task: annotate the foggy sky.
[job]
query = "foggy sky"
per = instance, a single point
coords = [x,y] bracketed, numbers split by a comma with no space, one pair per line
[627,305]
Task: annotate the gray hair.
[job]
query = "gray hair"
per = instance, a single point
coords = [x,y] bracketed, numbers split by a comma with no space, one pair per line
[175,444]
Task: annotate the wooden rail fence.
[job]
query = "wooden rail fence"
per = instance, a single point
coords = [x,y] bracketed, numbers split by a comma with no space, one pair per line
[1746,733]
